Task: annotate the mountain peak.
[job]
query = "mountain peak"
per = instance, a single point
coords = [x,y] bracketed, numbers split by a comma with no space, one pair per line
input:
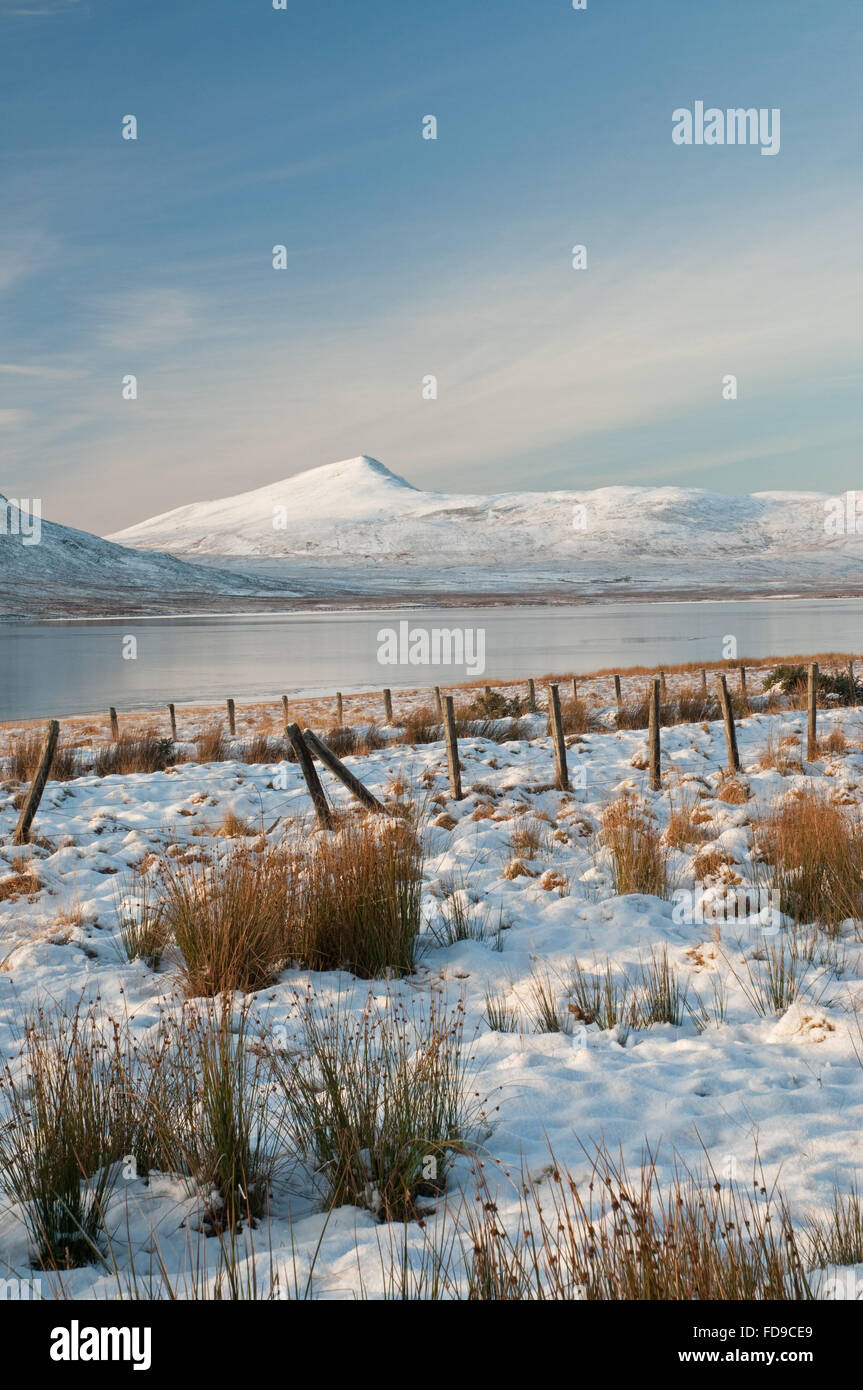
[358,471]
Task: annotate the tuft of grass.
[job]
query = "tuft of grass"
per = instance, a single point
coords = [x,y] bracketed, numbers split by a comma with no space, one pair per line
[545,1011]
[630,1239]
[380,1104]
[500,1016]
[682,829]
[67,1123]
[211,746]
[838,1238]
[355,902]
[233,828]
[601,997]
[639,858]
[228,919]
[577,718]
[782,754]
[143,929]
[463,919]
[23,755]
[133,753]
[663,997]
[421,726]
[814,851]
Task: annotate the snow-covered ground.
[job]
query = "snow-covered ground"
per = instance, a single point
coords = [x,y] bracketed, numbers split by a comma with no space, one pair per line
[356,527]
[785,1091]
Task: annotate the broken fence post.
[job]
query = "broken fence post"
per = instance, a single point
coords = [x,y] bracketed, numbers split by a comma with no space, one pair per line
[37,787]
[310,776]
[344,774]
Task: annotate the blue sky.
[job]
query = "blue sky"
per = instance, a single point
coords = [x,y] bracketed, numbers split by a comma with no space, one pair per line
[409,257]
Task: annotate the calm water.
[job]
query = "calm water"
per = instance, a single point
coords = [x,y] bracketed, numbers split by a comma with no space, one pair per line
[74,668]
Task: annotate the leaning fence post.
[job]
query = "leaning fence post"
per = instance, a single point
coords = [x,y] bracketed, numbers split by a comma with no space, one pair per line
[115,726]
[173,717]
[653,735]
[728,717]
[388,706]
[531,697]
[556,721]
[344,774]
[310,776]
[232,718]
[37,787]
[852,685]
[452,749]
[812,725]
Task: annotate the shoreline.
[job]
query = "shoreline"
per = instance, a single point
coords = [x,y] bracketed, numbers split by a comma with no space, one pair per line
[371,603]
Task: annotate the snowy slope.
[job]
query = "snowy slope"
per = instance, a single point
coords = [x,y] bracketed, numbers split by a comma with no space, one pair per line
[67,568]
[358,514]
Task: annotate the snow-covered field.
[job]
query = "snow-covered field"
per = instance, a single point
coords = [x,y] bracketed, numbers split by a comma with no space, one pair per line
[780,1093]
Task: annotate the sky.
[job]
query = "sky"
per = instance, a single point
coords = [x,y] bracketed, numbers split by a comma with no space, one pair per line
[409,258]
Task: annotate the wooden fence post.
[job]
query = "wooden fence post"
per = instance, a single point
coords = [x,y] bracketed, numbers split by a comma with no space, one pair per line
[285,718]
[115,726]
[728,717]
[743,683]
[574,688]
[703,681]
[388,706]
[556,721]
[37,787]
[344,774]
[653,735]
[438,702]
[852,685]
[812,723]
[452,749]
[531,697]
[173,717]
[310,776]
[618,693]
[232,718]
[663,688]
[340,710]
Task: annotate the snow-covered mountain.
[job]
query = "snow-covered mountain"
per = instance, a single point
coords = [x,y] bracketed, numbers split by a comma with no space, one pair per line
[356,524]
[45,567]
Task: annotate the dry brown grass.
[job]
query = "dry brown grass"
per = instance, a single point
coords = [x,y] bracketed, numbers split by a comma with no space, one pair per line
[814,853]
[211,745]
[732,790]
[683,828]
[421,726]
[20,884]
[24,753]
[783,754]
[134,753]
[577,718]
[638,856]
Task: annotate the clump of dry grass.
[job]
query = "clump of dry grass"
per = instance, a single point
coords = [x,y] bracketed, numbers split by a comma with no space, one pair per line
[783,754]
[732,789]
[577,717]
[695,704]
[23,754]
[233,828]
[133,753]
[814,852]
[638,856]
[683,829]
[69,1117]
[530,838]
[346,742]
[228,919]
[628,1239]
[22,882]
[264,748]
[211,745]
[421,726]
[381,1103]
[355,901]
